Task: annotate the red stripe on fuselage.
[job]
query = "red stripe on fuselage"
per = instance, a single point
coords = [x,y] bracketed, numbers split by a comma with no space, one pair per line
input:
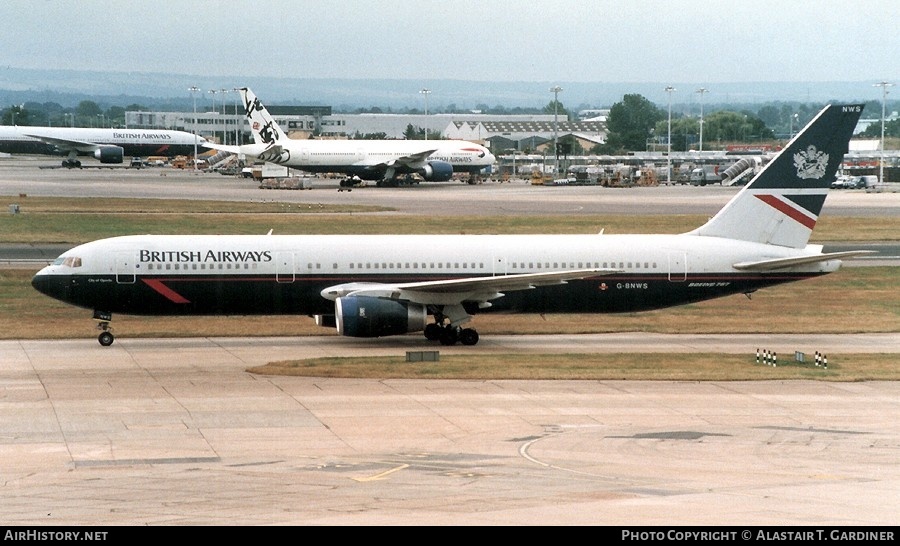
[788,210]
[167,292]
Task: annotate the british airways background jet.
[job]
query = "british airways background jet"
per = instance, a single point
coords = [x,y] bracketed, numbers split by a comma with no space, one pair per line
[382,285]
[379,160]
[107,145]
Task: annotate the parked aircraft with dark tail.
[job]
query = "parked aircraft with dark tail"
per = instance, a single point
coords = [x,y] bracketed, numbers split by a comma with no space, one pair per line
[382,285]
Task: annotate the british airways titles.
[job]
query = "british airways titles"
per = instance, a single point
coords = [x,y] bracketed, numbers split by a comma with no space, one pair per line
[142,136]
[182,256]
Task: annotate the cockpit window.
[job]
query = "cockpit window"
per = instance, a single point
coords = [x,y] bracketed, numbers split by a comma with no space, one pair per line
[68,261]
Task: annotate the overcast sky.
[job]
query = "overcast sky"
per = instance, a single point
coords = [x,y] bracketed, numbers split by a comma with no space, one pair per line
[482,40]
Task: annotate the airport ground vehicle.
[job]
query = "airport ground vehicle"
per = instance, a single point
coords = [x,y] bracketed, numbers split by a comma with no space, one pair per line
[866,181]
[842,181]
[855,182]
[706,174]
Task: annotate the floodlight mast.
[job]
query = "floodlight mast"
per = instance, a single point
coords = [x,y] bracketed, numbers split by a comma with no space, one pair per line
[193,89]
[669,89]
[883,85]
[555,90]
[701,91]
[426,92]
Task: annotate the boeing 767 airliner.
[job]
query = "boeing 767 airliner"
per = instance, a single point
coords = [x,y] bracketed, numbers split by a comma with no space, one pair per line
[382,285]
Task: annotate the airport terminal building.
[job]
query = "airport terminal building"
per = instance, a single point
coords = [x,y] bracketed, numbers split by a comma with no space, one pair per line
[502,132]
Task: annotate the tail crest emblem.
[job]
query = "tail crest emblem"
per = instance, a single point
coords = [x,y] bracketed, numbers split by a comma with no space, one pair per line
[810,163]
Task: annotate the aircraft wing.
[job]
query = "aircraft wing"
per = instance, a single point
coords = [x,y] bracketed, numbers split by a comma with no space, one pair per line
[65,143]
[410,159]
[454,291]
[779,263]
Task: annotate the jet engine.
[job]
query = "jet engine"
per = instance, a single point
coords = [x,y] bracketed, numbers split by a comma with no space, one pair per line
[110,154]
[437,171]
[368,316]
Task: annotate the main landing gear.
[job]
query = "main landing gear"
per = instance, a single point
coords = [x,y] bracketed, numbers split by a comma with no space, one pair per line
[71,163]
[103,319]
[449,334]
[446,326]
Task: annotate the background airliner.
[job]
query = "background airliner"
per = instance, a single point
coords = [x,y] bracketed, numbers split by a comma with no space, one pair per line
[380,160]
[381,285]
[107,145]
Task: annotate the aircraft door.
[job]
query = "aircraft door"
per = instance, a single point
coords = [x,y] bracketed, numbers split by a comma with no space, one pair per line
[284,267]
[677,266]
[126,270]
[304,156]
[500,266]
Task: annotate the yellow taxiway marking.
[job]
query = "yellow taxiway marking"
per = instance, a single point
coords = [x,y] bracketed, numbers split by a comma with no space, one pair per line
[382,475]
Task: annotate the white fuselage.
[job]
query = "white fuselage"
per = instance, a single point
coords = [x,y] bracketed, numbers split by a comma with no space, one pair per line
[358,155]
[116,137]
[150,274]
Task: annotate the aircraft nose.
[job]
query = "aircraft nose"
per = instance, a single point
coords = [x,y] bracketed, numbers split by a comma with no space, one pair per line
[49,285]
[40,282]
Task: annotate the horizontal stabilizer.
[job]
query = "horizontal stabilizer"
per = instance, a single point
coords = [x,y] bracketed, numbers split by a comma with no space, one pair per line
[223,147]
[780,263]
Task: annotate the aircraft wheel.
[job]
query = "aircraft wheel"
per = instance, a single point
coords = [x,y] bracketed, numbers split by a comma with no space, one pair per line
[106,339]
[432,332]
[468,336]
[449,336]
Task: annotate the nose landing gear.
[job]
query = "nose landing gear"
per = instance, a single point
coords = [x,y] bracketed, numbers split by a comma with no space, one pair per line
[103,319]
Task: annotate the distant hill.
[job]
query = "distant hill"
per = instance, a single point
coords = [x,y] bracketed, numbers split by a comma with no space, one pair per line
[170,91]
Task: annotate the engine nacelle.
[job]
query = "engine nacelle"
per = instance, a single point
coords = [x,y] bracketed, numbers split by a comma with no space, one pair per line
[437,171]
[110,154]
[368,316]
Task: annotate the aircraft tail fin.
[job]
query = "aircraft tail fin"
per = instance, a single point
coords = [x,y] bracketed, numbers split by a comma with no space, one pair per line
[262,124]
[781,204]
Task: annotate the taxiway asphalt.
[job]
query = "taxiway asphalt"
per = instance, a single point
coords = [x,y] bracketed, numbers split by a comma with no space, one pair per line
[178,432]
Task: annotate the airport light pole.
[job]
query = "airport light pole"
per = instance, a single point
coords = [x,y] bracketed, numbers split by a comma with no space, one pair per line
[426,92]
[701,91]
[193,89]
[883,86]
[669,90]
[224,123]
[555,90]
[238,119]
[212,94]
